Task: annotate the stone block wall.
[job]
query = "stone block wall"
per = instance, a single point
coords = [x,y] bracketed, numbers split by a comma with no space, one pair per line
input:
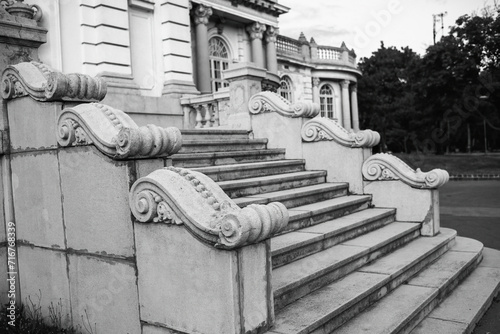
[75,239]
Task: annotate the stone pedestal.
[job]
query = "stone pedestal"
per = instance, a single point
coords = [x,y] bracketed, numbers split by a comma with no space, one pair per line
[244,82]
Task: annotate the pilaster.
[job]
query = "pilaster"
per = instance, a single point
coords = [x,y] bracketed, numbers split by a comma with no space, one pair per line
[315,89]
[272,61]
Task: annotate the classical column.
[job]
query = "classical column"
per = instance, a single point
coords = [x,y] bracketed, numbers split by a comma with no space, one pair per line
[315,83]
[355,113]
[346,108]
[201,15]
[272,60]
[256,31]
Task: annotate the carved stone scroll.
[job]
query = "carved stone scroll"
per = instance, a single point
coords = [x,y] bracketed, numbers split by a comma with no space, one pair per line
[114,133]
[183,197]
[45,84]
[385,166]
[271,102]
[321,128]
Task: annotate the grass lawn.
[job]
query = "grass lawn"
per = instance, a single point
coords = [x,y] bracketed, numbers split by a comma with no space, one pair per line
[455,164]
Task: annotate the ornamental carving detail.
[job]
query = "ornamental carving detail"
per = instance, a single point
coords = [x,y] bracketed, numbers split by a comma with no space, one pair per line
[42,83]
[271,102]
[385,166]
[201,14]
[321,128]
[256,30]
[271,34]
[184,197]
[114,133]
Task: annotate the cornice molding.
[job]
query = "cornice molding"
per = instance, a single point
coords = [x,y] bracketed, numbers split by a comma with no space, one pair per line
[180,196]
[321,128]
[271,102]
[114,133]
[42,83]
[383,167]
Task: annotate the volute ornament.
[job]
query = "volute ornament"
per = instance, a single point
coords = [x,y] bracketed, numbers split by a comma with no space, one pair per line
[268,101]
[321,128]
[385,166]
[42,83]
[114,133]
[178,196]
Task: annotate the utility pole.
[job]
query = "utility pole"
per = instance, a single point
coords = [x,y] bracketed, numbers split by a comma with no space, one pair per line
[435,18]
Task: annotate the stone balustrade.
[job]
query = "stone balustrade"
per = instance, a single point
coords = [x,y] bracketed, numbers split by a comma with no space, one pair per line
[206,108]
[316,54]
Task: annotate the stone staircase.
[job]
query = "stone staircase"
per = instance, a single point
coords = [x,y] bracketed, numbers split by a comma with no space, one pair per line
[341,265]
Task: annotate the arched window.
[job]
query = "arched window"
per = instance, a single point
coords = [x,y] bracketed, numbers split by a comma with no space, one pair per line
[286,90]
[219,61]
[326,101]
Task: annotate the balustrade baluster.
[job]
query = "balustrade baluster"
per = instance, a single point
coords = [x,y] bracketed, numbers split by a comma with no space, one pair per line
[199,119]
[206,118]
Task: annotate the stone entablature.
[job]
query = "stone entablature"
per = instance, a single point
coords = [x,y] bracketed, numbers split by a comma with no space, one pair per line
[114,133]
[386,167]
[42,83]
[183,197]
[271,102]
[321,128]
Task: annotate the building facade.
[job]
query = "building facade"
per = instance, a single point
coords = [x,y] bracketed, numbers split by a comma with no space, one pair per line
[168,56]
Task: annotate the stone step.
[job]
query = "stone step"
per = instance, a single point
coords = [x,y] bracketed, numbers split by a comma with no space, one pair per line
[465,306]
[315,213]
[299,278]
[202,159]
[297,196]
[263,184]
[253,169]
[212,134]
[222,145]
[293,246]
[326,309]
[406,306]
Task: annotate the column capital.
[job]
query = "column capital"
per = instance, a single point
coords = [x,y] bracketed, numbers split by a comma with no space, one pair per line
[201,14]
[315,81]
[271,34]
[354,88]
[256,30]
[345,84]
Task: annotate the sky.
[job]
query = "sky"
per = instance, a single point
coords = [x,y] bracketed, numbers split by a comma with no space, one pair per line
[362,24]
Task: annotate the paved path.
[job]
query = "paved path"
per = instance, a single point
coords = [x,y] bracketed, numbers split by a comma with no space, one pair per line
[473,209]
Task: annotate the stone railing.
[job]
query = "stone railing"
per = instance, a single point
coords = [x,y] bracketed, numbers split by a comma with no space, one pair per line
[207,109]
[287,45]
[183,197]
[272,102]
[321,128]
[311,52]
[329,53]
[413,193]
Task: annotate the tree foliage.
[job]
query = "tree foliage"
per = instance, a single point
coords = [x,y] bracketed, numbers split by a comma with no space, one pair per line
[432,102]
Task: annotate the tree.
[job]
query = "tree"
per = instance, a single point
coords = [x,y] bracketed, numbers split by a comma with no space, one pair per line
[386,95]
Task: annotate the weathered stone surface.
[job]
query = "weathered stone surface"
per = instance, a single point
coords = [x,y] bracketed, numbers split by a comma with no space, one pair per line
[32,125]
[44,280]
[416,205]
[105,291]
[343,164]
[150,329]
[4,286]
[96,211]
[145,166]
[438,326]
[37,199]
[177,272]
[390,314]
[281,132]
